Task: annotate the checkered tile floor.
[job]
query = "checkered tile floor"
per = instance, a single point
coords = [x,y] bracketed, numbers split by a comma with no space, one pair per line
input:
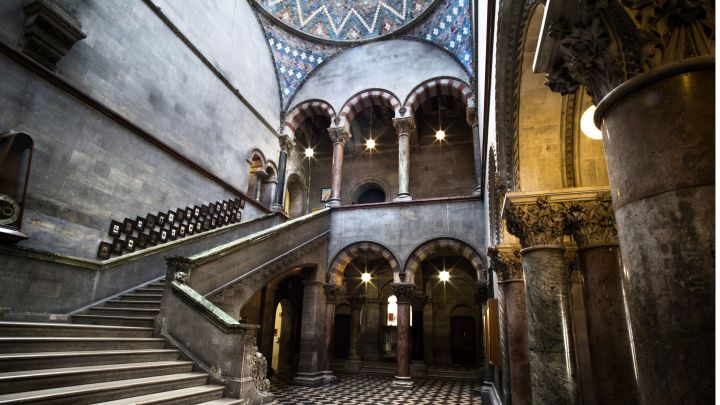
[371,390]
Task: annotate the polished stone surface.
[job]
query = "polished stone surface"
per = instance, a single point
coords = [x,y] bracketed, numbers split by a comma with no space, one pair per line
[517,338]
[660,144]
[611,353]
[552,363]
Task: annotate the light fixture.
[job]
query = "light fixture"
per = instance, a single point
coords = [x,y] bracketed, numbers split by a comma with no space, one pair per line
[365,277]
[370,144]
[587,124]
[444,275]
[440,135]
[309,152]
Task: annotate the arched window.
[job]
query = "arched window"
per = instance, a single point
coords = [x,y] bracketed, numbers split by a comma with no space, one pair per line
[392,311]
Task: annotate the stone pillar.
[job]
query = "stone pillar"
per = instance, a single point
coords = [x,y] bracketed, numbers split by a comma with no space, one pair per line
[339,137]
[310,367]
[405,127]
[507,265]
[655,96]
[472,120]
[539,225]
[286,145]
[329,329]
[592,224]
[259,178]
[352,365]
[403,292]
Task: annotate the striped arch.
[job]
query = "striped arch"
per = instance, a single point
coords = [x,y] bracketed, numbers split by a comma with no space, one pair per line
[304,110]
[367,98]
[350,252]
[439,86]
[412,266]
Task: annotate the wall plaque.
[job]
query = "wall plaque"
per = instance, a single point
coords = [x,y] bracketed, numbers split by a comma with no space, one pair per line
[104,250]
[115,228]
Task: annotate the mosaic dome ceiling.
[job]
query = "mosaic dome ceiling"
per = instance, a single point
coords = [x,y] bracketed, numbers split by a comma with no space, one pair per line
[346,20]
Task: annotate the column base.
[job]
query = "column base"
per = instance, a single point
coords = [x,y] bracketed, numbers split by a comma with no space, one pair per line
[329,377]
[477,190]
[333,202]
[402,383]
[309,379]
[403,197]
[352,366]
[277,208]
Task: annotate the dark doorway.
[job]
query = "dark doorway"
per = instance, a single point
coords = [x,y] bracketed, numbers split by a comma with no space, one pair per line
[374,195]
[462,336]
[342,336]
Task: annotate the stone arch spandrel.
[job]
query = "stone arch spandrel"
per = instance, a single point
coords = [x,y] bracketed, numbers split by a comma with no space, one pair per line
[338,265]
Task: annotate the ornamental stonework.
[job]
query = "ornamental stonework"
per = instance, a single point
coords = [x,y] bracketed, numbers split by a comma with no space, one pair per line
[339,135]
[404,125]
[403,292]
[592,222]
[286,143]
[331,291]
[506,264]
[537,223]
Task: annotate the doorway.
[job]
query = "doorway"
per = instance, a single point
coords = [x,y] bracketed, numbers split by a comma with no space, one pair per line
[462,340]
[342,336]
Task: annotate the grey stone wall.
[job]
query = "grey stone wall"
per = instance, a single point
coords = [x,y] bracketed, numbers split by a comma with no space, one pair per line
[87,169]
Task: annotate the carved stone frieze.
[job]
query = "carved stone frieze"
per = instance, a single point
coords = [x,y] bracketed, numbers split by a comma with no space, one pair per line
[403,292]
[538,223]
[592,222]
[506,264]
[286,143]
[404,126]
[339,135]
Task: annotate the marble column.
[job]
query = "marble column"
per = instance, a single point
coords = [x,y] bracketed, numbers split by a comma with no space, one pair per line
[507,265]
[472,120]
[329,330]
[405,127]
[310,367]
[286,145]
[353,364]
[539,225]
[403,292]
[592,224]
[339,137]
[655,96]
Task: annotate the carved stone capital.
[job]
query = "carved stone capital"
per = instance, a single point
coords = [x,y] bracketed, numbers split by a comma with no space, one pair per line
[481,292]
[592,222]
[601,44]
[286,143]
[356,301]
[506,264]
[331,291]
[404,126]
[471,116]
[50,32]
[339,135]
[536,223]
[403,292]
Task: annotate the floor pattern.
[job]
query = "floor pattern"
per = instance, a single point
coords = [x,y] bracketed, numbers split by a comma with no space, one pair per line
[372,390]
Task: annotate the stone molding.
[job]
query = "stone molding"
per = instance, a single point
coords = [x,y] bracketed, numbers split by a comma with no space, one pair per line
[50,32]
[592,222]
[404,126]
[403,292]
[286,143]
[602,44]
[339,135]
[506,262]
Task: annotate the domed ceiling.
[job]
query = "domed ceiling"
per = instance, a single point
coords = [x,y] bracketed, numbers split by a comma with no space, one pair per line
[346,20]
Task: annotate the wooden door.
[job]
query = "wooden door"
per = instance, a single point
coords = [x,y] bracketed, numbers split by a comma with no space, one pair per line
[462,337]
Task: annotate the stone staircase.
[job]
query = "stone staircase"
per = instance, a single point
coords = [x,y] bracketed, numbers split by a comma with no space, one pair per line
[107,355]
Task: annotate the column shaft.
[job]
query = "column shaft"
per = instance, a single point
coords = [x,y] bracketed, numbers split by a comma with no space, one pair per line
[404,126]
[517,338]
[310,367]
[329,330]
[403,292]
[472,120]
[337,165]
[286,145]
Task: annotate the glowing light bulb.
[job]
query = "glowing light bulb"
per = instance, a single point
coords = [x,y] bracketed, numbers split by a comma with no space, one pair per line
[444,276]
[587,125]
[309,152]
[440,135]
[365,277]
[370,144]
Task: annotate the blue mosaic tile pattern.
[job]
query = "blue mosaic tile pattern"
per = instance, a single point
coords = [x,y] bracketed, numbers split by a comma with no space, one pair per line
[346,20]
[450,26]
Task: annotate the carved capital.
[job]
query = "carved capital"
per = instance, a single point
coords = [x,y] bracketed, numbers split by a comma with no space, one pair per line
[331,291]
[404,126]
[506,264]
[286,143]
[339,135]
[481,292]
[403,292]
[536,223]
[356,301]
[471,116]
[592,222]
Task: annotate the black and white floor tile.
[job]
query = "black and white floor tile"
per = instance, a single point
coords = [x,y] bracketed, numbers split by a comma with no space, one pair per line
[371,390]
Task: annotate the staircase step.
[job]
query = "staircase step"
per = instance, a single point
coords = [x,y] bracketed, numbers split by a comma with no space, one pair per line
[132,304]
[177,397]
[141,297]
[55,344]
[114,320]
[43,360]
[159,284]
[124,311]
[148,290]
[38,329]
[225,401]
[18,381]
[106,391]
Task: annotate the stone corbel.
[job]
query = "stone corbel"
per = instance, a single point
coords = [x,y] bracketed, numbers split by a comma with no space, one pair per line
[50,32]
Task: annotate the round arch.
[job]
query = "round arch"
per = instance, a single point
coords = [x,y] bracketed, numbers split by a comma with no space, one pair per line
[439,86]
[457,246]
[306,109]
[295,196]
[350,252]
[256,155]
[367,98]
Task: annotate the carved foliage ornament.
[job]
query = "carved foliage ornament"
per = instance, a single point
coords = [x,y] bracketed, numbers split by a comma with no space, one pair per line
[339,135]
[258,370]
[507,265]
[538,223]
[404,126]
[592,222]
[403,292]
[286,143]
